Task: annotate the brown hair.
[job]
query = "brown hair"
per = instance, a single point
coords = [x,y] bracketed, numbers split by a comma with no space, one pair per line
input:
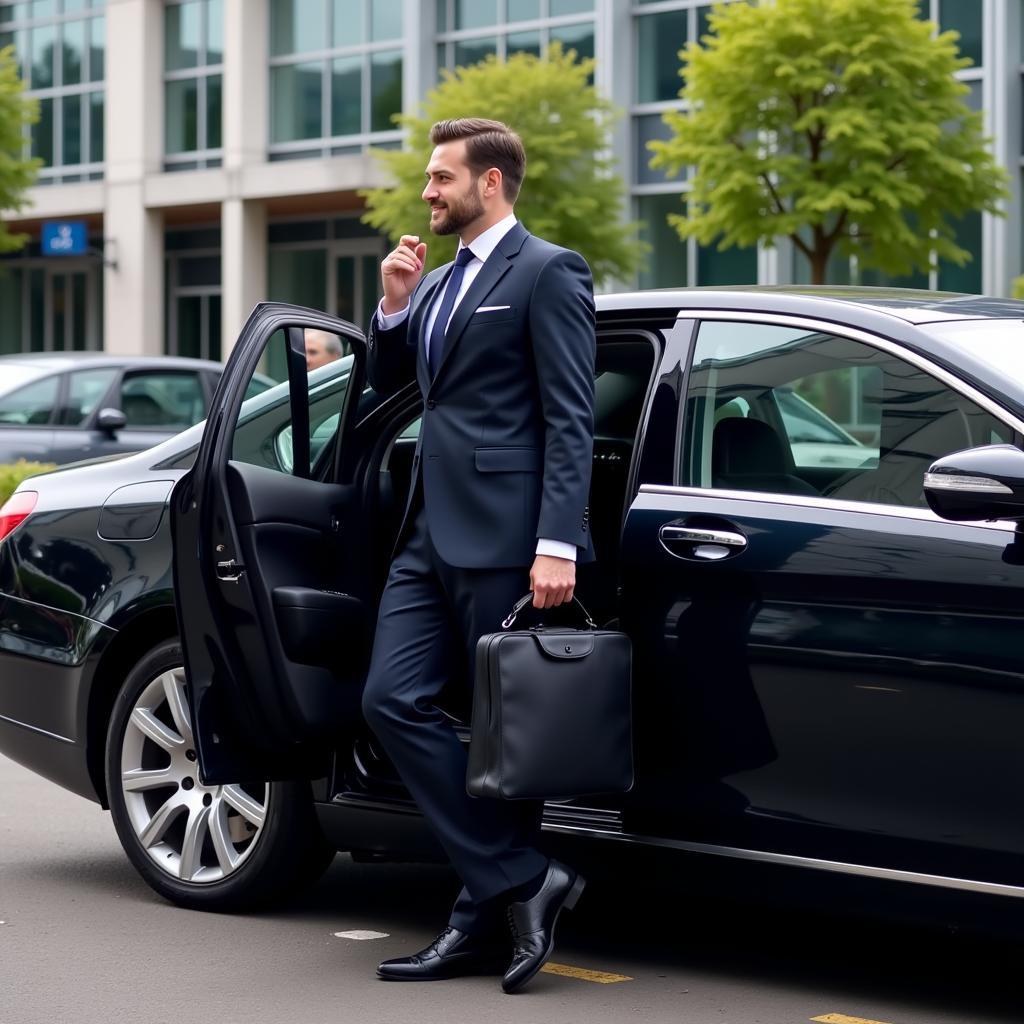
[488,144]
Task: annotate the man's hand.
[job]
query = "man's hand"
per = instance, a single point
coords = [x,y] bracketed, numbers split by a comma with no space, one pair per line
[552,581]
[401,271]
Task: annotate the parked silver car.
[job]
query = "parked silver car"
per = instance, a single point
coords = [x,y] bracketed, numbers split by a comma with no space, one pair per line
[63,407]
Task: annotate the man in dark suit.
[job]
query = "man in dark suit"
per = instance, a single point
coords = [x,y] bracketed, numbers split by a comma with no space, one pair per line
[502,344]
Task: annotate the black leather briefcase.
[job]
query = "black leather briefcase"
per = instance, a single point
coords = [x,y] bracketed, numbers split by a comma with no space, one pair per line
[551,712]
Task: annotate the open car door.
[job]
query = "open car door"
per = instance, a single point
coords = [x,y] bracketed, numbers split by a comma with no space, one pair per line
[270,567]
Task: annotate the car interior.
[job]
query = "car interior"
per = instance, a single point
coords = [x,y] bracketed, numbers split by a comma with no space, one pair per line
[624,369]
[746,445]
[622,376]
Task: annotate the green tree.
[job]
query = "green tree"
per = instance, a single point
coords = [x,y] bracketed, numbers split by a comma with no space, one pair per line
[571,194]
[16,173]
[836,123]
[1017,287]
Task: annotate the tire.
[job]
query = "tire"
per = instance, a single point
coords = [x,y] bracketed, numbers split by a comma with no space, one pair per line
[219,848]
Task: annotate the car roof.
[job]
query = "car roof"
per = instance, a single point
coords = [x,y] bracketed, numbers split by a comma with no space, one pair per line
[59,361]
[906,304]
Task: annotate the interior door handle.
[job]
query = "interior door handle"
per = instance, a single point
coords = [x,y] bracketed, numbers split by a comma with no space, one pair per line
[229,571]
[694,535]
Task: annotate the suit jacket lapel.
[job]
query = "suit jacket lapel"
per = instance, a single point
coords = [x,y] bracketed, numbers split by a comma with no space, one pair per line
[490,274]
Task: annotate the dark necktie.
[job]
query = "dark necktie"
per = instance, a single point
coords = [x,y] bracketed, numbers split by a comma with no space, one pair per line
[451,289]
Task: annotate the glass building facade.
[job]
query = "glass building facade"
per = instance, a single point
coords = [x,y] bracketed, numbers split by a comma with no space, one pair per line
[193,83]
[335,76]
[61,51]
[275,107]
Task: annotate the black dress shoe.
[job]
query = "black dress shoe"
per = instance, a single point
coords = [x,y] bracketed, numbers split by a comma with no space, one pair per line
[533,923]
[451,955]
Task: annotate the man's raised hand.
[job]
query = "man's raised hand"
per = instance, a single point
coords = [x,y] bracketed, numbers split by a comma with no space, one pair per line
[400,272]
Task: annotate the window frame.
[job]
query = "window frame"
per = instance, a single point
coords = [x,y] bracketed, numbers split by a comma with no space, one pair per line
[876,341]
[327,144]
[203,155]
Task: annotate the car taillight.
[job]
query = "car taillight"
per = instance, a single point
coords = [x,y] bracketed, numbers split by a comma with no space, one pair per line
[16,510]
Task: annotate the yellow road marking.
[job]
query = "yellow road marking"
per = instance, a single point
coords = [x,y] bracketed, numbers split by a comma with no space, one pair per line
[841,1018]
[601,977]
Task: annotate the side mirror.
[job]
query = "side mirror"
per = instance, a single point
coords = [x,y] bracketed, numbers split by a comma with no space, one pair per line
[977,484]
[110,421]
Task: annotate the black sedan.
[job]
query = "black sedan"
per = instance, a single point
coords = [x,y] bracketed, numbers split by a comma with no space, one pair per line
[64,407]
[804,504]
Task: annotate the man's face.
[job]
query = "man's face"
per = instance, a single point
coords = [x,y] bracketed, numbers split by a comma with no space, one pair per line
[317,352]
[452,191]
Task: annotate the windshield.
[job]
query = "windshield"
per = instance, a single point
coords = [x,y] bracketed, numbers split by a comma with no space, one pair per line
[13,376]
[997,343]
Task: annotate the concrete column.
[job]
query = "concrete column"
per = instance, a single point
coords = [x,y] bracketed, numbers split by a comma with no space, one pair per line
[133,289]
[246,135]
[613,78]
[419,60]
[243,265]
[1001,98]
[246,82]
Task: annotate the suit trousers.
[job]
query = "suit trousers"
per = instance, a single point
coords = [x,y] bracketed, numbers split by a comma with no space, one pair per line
[431,616]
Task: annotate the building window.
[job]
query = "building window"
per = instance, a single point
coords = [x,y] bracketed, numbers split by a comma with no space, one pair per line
[335,76]
[333,265]
[469,30]
[60,46]
[193,292]
[193,83]
[659,36]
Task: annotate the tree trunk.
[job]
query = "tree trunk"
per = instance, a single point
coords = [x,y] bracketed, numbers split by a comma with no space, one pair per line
[819,264]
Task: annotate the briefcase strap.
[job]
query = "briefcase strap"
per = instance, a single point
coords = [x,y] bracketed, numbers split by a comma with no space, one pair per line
[524,601]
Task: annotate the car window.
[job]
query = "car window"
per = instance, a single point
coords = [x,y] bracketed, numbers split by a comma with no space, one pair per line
[16,375]
[85,390]
[263,434]
[31,405]
[791,411]
[168,400]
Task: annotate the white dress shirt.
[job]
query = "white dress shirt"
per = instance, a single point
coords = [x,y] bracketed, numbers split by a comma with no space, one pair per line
[482,246]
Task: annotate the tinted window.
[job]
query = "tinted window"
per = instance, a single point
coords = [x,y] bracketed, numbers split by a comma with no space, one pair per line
[31,405]
[162,401]
[85,390]
[263,435]
[791,411]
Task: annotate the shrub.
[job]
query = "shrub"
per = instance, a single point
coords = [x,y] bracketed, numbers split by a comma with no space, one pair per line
[12,475]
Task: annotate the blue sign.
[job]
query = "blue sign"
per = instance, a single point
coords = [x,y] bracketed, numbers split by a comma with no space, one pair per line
[65,237]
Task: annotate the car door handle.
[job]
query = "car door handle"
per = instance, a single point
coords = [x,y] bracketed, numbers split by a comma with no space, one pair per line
[693,535]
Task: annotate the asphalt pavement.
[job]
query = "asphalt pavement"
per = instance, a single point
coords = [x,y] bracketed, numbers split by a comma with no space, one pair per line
[84,941]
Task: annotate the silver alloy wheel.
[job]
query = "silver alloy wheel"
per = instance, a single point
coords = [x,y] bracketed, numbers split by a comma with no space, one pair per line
[192,832]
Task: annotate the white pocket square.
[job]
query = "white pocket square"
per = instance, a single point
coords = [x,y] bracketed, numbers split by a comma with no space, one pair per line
[490,309]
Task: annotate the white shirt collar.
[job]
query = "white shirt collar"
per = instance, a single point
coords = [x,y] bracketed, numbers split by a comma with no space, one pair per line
[487,241]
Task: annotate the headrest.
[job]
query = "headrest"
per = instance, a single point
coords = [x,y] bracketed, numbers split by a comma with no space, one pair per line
[741,446]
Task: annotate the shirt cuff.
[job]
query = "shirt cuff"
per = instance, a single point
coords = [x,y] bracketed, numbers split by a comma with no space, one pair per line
[388,320]
[556,548]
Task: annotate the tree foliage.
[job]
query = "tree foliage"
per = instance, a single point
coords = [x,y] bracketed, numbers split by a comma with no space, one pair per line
[16,173]
[836,123]
[571,194]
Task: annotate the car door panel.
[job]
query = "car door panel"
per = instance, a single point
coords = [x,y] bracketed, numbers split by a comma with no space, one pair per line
[851,672]
[259,555]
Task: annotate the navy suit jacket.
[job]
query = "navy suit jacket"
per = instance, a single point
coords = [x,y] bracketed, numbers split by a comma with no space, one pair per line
[506,442]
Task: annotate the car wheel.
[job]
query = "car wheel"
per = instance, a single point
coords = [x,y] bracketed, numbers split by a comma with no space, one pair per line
[227,847]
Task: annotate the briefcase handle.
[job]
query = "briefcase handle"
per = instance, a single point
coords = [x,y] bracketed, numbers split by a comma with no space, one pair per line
[523,601]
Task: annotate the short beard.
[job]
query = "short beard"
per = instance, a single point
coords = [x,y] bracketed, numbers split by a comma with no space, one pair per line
[468,209]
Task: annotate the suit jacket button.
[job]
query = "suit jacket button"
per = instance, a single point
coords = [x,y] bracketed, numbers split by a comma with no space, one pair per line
[431,403]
